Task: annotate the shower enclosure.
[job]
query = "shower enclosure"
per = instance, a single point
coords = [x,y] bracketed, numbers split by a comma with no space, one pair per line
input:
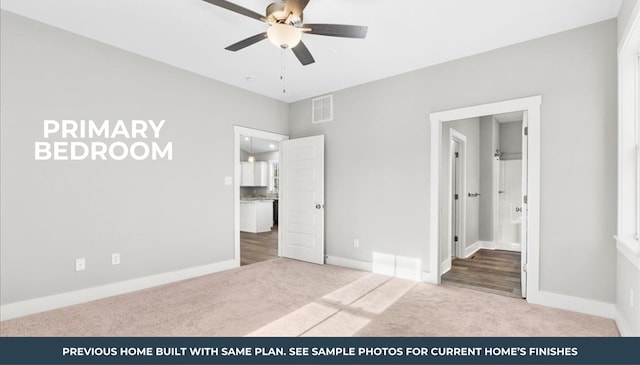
[509,216]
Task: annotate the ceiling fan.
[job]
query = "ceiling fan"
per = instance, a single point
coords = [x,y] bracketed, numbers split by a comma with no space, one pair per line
[286,27]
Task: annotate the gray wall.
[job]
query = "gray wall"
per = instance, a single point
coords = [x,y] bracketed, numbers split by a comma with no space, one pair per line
[266,156]
[470,128]
[244,155]
[511,139]
[161,216]
[489,143]
[380,194]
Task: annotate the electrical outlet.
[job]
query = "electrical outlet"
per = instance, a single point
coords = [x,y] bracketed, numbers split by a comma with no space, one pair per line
[228,180]
[356,243]
[115,259]
[80,264]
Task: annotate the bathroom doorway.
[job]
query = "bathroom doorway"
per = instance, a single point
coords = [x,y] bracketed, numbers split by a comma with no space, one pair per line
[485,178]
[509,179]
[437,259]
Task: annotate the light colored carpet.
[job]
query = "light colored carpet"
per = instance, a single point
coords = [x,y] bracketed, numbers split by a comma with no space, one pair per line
[437,310]
[229,303]
[290,298]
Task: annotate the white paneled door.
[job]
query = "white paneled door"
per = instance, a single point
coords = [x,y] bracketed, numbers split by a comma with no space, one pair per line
[302,199]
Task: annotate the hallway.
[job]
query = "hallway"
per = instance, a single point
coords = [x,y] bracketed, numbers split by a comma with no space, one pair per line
[490,271]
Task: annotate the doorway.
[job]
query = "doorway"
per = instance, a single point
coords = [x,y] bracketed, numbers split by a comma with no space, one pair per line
[256,195]
[488,256]
[300,193]
[529,266]
[259,199]
[455,206]
[458,188]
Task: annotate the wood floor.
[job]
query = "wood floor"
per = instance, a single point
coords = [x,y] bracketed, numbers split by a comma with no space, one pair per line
[491,271]
[256,247]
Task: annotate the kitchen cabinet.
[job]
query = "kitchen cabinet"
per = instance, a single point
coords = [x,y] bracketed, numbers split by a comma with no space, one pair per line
[256,215]
[254,173]
[246,174]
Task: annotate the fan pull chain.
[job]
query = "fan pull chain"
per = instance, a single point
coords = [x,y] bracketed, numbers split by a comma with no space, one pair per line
[283,71]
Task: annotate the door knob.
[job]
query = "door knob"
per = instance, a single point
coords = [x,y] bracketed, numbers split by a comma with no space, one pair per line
[318,206]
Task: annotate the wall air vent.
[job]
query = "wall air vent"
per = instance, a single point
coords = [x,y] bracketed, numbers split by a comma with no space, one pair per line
[322,109]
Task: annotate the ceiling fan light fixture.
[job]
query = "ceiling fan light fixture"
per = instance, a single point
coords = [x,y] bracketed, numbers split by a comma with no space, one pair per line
[284,35]
[284,18]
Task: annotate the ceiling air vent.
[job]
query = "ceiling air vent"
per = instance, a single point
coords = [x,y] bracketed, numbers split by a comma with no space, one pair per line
[322,109]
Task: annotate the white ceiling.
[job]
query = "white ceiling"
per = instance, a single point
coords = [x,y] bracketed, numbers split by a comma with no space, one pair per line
[509,117]
[255,145]
[403,36]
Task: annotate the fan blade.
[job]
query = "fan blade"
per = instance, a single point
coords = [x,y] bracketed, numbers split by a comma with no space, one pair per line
[295,7]
[302,53]
[247,42]
[236,8]
[337,30]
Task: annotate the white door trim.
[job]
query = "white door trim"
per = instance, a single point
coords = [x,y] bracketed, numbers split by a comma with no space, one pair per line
[532,106]
[249,132]
[455,135]
[524,244]
[495,188]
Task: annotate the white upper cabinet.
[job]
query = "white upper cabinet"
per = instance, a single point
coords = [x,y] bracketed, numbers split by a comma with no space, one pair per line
[261,173]
[247,173]
[254,173]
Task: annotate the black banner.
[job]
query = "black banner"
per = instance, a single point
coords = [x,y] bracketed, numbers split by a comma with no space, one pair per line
[352,350]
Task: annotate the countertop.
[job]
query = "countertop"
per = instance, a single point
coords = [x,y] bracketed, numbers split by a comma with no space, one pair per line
[254,199]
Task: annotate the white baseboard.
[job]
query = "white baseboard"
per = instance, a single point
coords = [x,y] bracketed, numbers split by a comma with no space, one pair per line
[623,326]
[349,263]
[445,266]
[430,277]
[508,246]
[490,245]
[548,299]
[468,251]
[384,264]
[37,305]
[574,304]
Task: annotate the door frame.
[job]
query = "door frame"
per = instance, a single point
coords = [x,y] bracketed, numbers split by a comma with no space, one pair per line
[249,132]
[524,195]
[530,104]
[456,136]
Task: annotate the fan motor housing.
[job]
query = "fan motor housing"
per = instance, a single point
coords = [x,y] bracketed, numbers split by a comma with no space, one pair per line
[275,13]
